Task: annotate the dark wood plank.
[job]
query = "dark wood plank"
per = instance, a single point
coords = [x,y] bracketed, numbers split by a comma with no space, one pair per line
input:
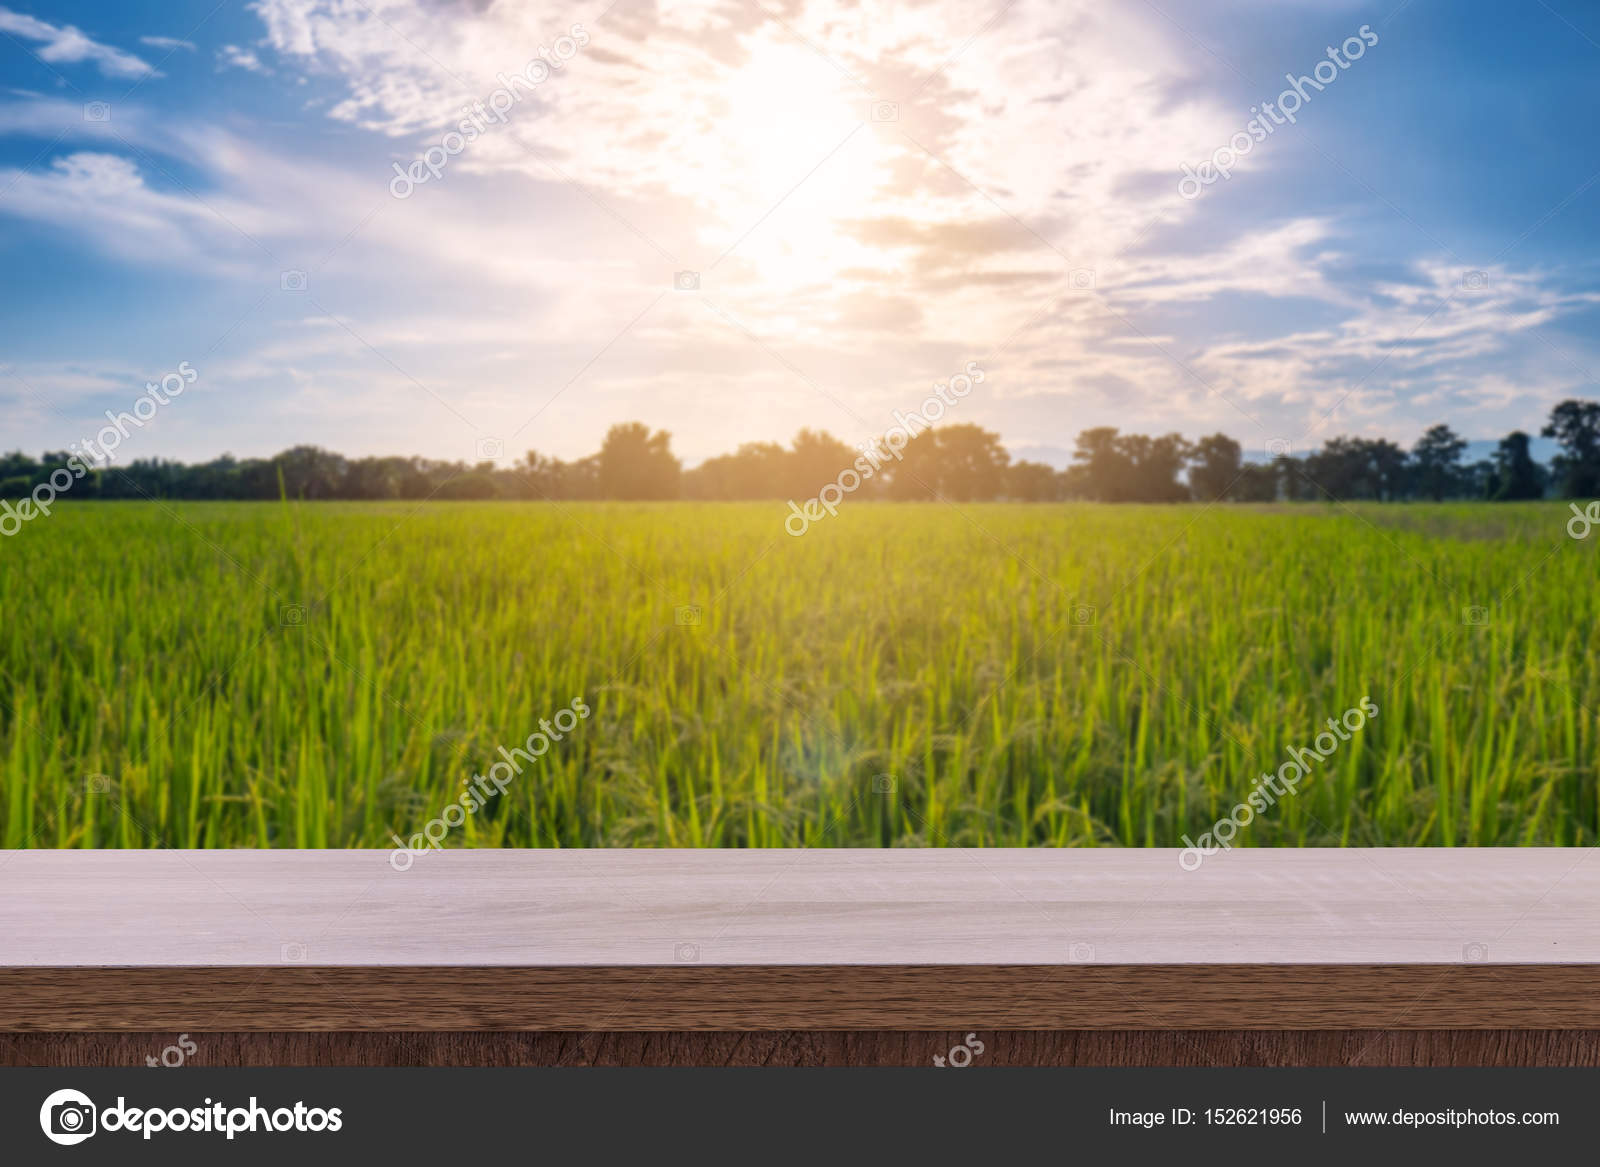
[824,996]
[816,1048]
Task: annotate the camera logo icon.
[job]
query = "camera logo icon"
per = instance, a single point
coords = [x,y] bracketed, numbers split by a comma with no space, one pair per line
[687,615]
[686,954]
[491,449]
[293,952]
[292,281]
[1279,447]
[1475,281]
[67,1117]
[96,111]
[1475,616]
[1081,953]
[883,784]
[1475,953]
[1081,279]
[686,281]
[885,111]
[97,784]
[1085,615]
[292,615]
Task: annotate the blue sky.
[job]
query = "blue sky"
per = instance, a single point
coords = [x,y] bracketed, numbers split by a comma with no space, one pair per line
[872,196]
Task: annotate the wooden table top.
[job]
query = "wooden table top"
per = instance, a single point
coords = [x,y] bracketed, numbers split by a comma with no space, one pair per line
[805,907]
[920,938]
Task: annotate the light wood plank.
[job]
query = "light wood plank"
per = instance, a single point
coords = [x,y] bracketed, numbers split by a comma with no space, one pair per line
[821,940]
[802,907]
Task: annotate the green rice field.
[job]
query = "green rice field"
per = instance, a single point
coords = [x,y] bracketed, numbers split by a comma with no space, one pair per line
[334,675]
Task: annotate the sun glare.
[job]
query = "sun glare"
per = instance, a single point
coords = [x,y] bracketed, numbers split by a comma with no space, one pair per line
[798,159]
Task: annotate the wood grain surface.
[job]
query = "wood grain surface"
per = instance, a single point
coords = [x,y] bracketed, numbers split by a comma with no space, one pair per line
[1495,1047]
[801,907]
[799,940]
[799,997]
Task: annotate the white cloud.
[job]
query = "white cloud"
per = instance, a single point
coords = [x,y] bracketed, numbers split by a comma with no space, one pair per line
[170,43]
[870,258]
[233,57]
[103,200]
[65,45]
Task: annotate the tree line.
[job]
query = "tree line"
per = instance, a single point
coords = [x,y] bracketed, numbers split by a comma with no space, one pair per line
[960,462]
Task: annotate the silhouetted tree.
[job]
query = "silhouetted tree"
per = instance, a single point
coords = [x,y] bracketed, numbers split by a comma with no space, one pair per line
[1256,483]
[638,464]
[1216,468]
[581,479]
[311,472]
[915,476]
[1103,471]
[970,462]
[374,478]
[476,483]
[1576,426]
[960,462]
[1478,479]
[1391,469]
[1516,475]
[756,470]
[1294,483]
[815,458]
[1438,462]
[1116,467]
[1356,468]
[1032,482]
